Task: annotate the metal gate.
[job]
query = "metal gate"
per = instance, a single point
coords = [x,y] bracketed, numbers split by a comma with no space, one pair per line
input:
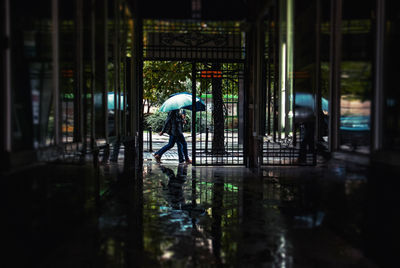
[216,51]
[219,130]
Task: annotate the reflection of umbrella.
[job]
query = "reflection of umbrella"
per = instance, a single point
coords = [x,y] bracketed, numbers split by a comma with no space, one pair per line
[307,100]
[182,100]
[111,101]
[98,100]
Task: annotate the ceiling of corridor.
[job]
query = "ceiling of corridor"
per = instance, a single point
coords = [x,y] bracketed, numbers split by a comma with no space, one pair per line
[196,9]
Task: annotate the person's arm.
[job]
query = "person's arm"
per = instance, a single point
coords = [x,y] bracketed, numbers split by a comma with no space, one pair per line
[166,124]
[184,119]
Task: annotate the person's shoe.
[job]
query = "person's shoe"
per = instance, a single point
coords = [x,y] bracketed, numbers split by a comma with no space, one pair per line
[158,158]
[188,162]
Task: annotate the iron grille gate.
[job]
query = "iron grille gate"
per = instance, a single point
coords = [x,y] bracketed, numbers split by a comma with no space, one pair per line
[219,129]
[217,53]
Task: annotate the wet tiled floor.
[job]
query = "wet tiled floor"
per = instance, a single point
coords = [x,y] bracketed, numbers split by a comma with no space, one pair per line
[174,215]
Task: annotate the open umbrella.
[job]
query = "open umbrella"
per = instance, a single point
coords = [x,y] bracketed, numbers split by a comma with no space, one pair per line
[111,103]
[98,100]
[182,100]
[307,100]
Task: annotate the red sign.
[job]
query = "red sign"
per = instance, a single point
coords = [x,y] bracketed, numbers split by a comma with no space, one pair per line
[211,74]
[67,73]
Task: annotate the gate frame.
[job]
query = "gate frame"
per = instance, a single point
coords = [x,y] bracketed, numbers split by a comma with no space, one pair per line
[194,61]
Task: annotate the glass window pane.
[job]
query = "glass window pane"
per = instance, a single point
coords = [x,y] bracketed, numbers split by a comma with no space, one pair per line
[32,84]
[356,78]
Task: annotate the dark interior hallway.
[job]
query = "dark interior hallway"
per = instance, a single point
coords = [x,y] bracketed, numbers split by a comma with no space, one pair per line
[292,122]
[332,215]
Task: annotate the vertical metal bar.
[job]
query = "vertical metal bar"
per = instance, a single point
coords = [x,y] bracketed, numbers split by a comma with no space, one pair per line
[55,58]
[276,71]
[335,59]
[317,132]
[137,85]
[105,68]
[65,120]
[7,100]
[290,24]
[269,73]
[194,113]
[232,109]
[377,142]
[317,70]
[124,98]
[133,87]
[262,91]
[116,69]
[78,103]
[246,111]
[101,61]
[125,29]
[93,74]
[201,116]
[282,60]
[119,37]
[241,94]
[85,89]
[206,147]
[150,139]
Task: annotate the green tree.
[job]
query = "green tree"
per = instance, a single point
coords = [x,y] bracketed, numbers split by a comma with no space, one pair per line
[163,78]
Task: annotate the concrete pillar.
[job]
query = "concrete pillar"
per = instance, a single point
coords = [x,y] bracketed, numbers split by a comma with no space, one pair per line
[93,75]
[6,81]
[137,85]
[5,86]
[254,94]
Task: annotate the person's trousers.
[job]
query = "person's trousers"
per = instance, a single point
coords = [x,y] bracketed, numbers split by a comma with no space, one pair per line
[182,147]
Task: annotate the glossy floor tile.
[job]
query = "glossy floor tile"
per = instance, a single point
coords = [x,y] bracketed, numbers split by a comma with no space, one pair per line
[171,215]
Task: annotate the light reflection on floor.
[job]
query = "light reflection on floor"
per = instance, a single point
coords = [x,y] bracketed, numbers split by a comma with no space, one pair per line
[182,216]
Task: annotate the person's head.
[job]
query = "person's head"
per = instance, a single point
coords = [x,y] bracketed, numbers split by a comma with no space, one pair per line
[183,113]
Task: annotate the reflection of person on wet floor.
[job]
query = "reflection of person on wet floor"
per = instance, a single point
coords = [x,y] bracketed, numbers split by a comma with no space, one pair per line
[175,186]
[174,194]
[308,140]
[174,127]
[306,121]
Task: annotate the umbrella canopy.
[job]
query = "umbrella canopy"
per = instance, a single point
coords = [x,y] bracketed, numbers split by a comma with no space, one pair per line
[307,100]
[182,100]
[111,103]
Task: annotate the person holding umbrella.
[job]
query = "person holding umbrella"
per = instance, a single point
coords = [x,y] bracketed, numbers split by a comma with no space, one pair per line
[174,127]
[183,141]
[174,123]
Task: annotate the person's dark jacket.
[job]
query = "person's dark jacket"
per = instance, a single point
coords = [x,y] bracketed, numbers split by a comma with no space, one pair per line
[173,124]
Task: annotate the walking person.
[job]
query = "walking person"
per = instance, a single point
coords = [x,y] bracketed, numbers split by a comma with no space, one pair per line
[182,141]
[174,127]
